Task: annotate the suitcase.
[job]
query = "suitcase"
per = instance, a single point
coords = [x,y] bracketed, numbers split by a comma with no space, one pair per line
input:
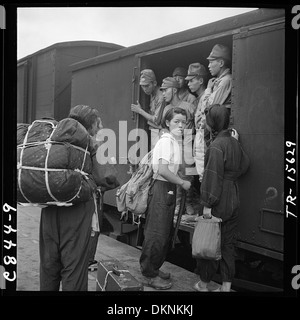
[112,276]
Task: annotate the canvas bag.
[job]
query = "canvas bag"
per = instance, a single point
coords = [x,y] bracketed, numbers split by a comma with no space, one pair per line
[206,242]
[133,195]
[105,175]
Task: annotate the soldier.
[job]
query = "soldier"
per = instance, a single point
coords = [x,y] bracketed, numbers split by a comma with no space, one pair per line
[170,89]
[218,91]
[197,79]
[149,85]
[179,74]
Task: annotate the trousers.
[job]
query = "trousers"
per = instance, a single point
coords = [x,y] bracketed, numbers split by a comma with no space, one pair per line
[158,227]
[65,234]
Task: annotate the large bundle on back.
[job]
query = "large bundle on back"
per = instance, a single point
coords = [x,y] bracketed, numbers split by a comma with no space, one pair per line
[54,163]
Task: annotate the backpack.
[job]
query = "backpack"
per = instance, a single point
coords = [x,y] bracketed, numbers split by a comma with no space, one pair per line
[133,195]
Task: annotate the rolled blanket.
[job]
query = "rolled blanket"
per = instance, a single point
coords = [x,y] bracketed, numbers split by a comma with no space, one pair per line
[54,163]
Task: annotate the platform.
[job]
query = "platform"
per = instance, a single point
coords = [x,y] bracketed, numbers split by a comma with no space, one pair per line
[108,248]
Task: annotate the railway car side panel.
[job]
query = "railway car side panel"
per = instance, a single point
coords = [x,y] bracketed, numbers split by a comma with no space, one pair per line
[258,115]
[45,84]
[108,87]
[22,92]
[65,58]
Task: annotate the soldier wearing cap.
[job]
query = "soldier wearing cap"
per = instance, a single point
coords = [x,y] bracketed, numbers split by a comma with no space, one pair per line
[179,74]
[197,79]
[218,89]
[149,85]
[170,88]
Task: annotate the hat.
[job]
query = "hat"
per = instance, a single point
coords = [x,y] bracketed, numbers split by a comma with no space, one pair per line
[196,69]
[219,51]
[169,82]
[147,76]
[180,71]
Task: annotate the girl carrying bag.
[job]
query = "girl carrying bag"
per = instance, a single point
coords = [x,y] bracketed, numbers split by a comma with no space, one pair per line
[206,242]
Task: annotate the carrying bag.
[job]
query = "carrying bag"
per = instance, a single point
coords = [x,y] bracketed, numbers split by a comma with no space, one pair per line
[105,175]
[206,242]
[133,195]
[53,163]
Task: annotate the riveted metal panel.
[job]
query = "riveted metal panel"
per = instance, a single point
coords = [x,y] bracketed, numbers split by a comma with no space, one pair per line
[258,115]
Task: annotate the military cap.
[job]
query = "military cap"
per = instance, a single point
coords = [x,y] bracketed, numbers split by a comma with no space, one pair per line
[169,82]
[180,71]
[196,69]
[147,76]
[219,51]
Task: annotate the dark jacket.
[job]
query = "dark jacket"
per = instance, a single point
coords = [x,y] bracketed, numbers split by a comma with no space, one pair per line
[225,162]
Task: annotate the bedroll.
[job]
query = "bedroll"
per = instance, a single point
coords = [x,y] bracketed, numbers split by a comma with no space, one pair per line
[53,163]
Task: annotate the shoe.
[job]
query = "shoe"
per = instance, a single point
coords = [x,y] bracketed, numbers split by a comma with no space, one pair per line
[200,289]
[217,290]
[158,283]
[93,265]
[164,275]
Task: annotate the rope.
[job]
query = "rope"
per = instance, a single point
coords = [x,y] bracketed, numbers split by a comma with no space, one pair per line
[37,143]
[106,279]
[48,147]
[19,167]
[138,222]
[48,144]
[21,158]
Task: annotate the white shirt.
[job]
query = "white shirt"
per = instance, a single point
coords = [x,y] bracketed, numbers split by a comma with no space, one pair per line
[166,148]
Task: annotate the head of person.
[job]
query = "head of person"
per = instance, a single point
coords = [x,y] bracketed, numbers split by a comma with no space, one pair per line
[219,59]
[179,74]
[88,116]
[169,88]
[217,118]
[148,81]
[175,121]
[197,76]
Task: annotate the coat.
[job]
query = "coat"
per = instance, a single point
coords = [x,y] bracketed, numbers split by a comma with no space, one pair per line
[225,161]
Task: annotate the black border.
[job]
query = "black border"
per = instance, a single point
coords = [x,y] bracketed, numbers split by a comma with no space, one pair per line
[8,152]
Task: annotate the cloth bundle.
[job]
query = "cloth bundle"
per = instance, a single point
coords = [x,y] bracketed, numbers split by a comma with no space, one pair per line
[206,242]
[54,163]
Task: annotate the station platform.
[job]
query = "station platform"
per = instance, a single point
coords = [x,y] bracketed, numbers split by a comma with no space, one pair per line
[108,248]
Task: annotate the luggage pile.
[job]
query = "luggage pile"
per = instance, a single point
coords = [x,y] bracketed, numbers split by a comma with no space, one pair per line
[53,163]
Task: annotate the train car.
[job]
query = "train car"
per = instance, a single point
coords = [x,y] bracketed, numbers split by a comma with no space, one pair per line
[44,78]
[257,42]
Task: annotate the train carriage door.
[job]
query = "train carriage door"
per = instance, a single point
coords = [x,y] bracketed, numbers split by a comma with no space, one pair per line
[258,115]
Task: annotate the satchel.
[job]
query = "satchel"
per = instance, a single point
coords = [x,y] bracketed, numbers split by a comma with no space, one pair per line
[105,175]
[206,242]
